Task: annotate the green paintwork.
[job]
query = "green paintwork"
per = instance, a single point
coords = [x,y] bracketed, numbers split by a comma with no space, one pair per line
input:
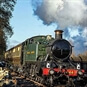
[35,48]
[32,49]
[31,52]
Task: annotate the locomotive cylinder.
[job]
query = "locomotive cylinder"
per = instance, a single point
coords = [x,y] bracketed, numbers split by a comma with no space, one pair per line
[58,34]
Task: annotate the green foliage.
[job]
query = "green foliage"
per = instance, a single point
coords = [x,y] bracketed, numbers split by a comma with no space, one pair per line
[6,8]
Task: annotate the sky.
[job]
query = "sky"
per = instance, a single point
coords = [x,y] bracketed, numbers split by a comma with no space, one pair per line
[25,24]
[42,17]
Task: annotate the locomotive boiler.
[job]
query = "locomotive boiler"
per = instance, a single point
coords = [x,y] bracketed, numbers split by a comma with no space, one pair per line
[47,60]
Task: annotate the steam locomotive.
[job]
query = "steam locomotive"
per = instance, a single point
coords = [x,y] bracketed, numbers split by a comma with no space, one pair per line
[47,60]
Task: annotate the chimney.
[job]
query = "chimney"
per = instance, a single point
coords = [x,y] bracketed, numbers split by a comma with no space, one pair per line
[58,34]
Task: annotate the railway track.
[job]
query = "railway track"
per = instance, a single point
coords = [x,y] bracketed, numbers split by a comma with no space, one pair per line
[31,83]
[41,85]
[21,81]
[26,82]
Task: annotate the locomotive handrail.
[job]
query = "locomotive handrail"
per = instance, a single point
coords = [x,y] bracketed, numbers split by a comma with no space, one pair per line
[47,57]
[72,63]
[81,58]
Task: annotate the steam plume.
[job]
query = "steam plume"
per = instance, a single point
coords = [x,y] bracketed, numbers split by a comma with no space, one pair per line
[65,13]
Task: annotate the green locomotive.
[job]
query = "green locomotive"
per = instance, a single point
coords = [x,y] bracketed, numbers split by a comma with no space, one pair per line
[47,60]
[35,48]
[30,50]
